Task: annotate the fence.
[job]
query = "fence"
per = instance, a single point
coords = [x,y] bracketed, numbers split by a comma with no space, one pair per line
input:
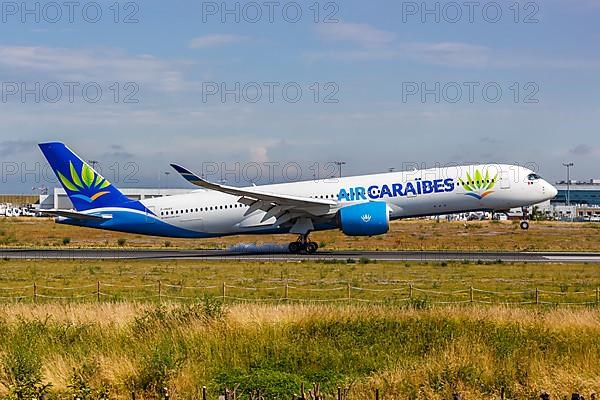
[158,291]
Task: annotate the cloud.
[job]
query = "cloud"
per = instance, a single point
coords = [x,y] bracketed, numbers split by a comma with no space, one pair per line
[371,44]
[489,140]
[545,62]
[118,151]
[259,154]
[11,147]
[97,65]
[582,150]
[216,40]
[375,44]
[448,53]
[361,34]
[451,54]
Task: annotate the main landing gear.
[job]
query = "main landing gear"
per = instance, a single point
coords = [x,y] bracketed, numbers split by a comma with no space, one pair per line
[524,224]
[303,245]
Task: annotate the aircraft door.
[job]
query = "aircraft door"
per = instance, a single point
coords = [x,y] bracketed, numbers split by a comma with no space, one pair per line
[504,180]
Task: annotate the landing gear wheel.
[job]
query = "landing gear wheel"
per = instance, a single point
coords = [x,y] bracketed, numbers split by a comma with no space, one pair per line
[524,225]
[302,244]
[295,247]
[311,247]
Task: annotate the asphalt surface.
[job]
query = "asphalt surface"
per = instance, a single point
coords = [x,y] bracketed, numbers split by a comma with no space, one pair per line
[270,254]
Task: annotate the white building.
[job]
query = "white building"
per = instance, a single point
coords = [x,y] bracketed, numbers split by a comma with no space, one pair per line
[58,199]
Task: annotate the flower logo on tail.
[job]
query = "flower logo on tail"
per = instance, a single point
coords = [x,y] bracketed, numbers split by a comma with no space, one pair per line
[87,184]
[479,186]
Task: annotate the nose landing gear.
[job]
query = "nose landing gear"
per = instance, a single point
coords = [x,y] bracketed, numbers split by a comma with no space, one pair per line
[303,245]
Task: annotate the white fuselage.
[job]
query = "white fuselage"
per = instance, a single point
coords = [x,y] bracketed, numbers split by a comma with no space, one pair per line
[407,194]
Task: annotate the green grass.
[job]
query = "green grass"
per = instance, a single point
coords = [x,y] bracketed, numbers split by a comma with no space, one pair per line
[329,279]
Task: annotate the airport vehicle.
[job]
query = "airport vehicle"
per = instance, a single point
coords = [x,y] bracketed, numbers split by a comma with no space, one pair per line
[358,205]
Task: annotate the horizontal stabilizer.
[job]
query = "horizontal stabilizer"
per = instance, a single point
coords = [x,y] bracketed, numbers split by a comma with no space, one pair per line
[74,215]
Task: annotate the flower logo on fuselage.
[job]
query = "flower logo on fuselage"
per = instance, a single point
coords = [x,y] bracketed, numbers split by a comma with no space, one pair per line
[87,185]
[478,186]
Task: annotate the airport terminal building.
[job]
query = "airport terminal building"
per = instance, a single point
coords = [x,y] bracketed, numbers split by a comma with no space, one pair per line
[580,192]
[584,200]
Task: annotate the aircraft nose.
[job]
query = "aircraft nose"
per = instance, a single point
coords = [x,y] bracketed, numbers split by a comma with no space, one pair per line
[551,190]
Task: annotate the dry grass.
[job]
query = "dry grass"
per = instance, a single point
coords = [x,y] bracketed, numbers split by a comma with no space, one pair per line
[403,235]
[407,353]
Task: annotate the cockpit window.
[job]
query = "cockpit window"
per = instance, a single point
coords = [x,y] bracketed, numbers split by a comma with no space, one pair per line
[533,177]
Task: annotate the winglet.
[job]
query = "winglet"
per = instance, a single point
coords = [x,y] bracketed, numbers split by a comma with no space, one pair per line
[191,177]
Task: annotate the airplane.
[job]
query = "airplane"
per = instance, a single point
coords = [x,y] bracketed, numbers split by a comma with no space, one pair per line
[357,205]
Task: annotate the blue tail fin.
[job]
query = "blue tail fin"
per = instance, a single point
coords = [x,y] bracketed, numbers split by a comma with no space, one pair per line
[86,188]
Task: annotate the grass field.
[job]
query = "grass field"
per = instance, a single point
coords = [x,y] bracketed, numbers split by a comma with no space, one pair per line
[409,349]
[382,281]
[408,235]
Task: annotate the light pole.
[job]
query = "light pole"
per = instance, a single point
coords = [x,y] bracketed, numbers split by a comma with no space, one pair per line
[167,173]
[568,165]
[339,164]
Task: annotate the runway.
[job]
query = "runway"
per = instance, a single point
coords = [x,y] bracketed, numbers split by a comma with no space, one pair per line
[263,255]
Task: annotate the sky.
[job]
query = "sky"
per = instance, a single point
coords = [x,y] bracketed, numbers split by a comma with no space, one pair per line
[273,91]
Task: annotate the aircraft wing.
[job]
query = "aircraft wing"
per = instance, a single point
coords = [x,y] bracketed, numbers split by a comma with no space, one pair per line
[72,214]
[275,204]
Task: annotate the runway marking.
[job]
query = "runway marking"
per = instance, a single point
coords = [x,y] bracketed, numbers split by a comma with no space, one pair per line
[574,258]
[225,255]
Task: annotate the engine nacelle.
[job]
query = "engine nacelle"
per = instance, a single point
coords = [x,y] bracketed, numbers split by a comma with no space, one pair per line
[366,219]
